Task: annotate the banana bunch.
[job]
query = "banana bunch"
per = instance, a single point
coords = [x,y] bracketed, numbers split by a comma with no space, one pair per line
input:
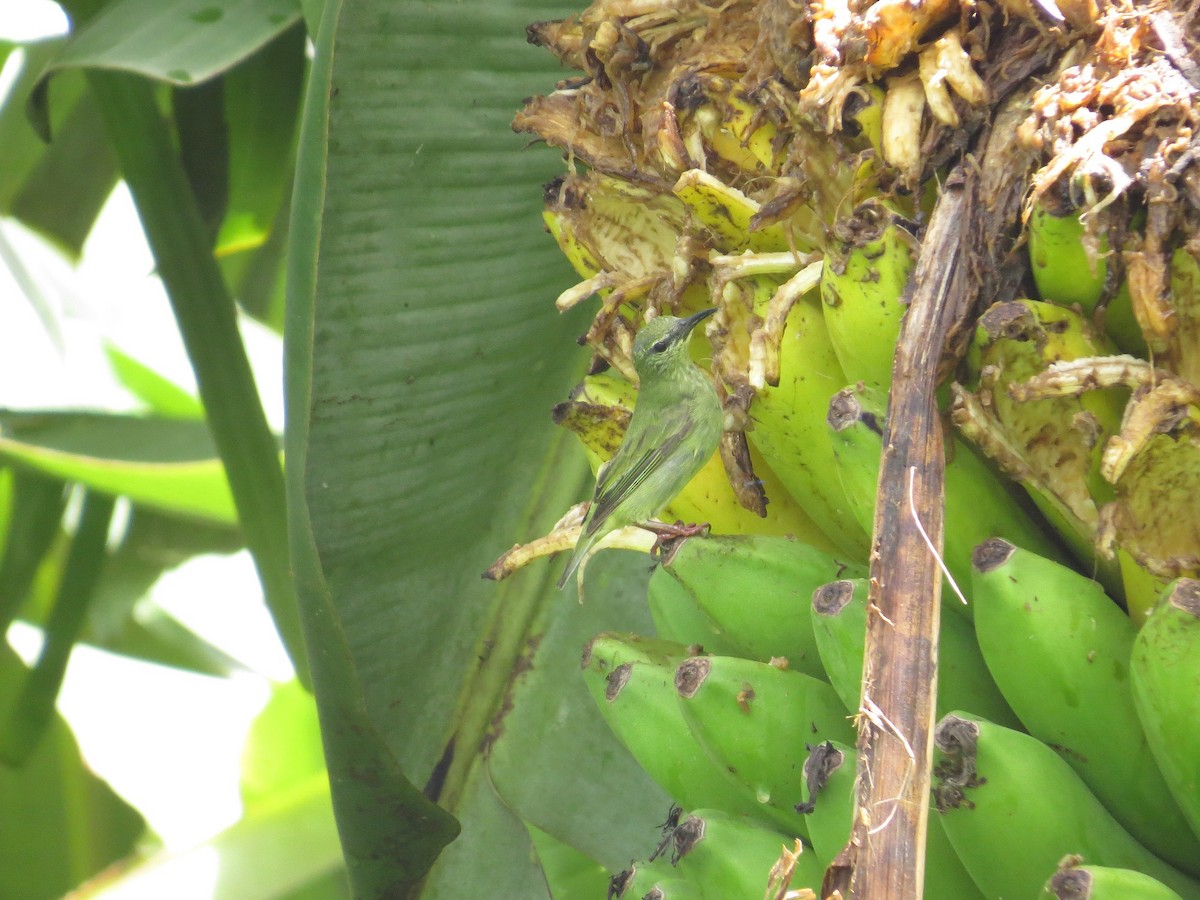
[778,164]
[1081,740]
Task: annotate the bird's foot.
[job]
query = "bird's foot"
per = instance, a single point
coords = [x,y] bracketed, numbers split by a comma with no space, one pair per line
[671,537]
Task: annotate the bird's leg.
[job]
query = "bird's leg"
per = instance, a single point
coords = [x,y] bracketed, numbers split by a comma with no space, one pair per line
[671,536]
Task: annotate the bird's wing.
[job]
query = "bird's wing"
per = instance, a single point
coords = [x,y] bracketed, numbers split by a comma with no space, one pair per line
[640,456]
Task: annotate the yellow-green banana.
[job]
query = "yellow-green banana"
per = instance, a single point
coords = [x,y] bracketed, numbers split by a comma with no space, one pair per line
[728,216]
[1059,649]
[720,575]
[830,795]
[753,718]
[1165,668]
[606,224]
[839,617]
[788,426]
[867,264]
[1013,808]
[978,504]
[1075,880]
[632,680]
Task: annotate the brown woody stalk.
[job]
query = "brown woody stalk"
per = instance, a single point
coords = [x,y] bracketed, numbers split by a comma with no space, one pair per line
[966,257]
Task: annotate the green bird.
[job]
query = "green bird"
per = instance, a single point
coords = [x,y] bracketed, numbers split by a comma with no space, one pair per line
[675,428]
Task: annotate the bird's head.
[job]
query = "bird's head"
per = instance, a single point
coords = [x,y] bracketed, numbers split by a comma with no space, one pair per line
[661,345]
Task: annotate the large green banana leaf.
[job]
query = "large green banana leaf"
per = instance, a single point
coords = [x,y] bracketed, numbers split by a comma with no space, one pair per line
[423,356]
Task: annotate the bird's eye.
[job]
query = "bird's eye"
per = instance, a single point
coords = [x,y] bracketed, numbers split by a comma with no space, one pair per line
[660,346]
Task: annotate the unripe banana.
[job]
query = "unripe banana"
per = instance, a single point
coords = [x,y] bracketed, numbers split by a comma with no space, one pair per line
[1067,274]
[830,795]
[1013,808]
[732,857]
[728,215]
[632,681]
[839,617]
[867,264]
[864,112]
[1052,446]
[1059,649]
[677,617]
[655,879]
[1075,880]
[598,414]
[789,426]
[568,871]
[754,719]
[978,504]
[728,125]
[1165,669]
[719,573]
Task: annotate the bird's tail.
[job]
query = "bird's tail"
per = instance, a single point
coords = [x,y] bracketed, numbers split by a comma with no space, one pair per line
[583,549]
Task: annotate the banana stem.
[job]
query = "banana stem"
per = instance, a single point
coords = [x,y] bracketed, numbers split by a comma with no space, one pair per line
[895,738]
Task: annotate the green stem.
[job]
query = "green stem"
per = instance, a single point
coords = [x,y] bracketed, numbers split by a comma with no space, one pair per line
[207,321]
[34,707]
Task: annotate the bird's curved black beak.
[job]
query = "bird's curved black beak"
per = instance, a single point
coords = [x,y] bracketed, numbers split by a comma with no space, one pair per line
[686,325]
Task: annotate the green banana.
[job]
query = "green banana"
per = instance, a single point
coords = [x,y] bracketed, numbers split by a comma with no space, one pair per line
[1013,808]
[839,617]
[1067,272]
[655,879]
[789,429]
[733,856]
[677,617]
[632,681]
[1076,881]
[1059,649]
[829,772]
[978,504]
[754,718]
[1052,446]
[568,872]
[1165,670]
[830,796]
[778,573]
[867,265]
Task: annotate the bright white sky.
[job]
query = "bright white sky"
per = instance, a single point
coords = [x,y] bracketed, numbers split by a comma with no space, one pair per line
[167,740]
